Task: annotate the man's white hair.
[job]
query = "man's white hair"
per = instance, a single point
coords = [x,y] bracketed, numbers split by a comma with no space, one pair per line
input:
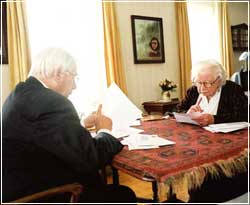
[213,66]
[51,59]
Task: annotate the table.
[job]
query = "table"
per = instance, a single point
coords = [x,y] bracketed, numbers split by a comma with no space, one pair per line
[161,107]
[176,169]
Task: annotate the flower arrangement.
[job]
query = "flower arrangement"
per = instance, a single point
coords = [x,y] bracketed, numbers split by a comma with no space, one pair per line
[167,85]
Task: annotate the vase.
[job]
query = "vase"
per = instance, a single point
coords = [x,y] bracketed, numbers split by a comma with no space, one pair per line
[166,96]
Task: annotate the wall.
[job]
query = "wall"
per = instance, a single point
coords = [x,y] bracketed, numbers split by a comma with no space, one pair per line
[143,79]
[238,14]
[5,82]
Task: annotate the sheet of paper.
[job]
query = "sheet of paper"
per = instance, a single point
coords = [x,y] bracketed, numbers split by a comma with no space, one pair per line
[124,132]
[226,127]
[119,108]
[144,141]
[185,118]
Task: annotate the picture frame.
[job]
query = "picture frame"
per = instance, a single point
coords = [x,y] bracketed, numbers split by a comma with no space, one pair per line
[3,43]
[147,37]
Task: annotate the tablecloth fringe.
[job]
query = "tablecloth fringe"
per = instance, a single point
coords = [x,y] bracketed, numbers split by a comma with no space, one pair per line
[183,182]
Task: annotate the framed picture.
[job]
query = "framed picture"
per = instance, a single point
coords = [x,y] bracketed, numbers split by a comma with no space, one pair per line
[147,35]
[3,44]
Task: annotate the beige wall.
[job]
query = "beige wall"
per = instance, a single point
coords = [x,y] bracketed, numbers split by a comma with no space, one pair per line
[237,14]
[5,82]
[143,79]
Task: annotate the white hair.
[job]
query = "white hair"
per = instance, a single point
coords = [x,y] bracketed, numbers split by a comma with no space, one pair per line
[50,59]
[209,65]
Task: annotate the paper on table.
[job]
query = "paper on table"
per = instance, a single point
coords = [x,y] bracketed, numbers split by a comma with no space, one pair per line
[226,127]
[186,118]
[119,108]
[144,141]
[124,132]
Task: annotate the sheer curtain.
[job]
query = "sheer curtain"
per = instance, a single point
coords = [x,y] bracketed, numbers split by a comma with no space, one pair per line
[76,26]
[204,30]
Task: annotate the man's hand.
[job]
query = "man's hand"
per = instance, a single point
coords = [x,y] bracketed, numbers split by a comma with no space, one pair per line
[102,122]
[204,119]
[90,120]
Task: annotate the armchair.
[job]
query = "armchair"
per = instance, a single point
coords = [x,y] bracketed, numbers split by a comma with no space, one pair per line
[75,189]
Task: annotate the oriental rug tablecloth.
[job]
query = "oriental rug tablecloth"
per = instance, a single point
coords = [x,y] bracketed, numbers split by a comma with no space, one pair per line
[184,166]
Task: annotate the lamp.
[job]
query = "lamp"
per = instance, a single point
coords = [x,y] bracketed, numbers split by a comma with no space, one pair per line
[244,57]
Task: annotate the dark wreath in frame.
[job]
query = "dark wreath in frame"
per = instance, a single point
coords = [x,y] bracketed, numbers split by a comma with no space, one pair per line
[147,36]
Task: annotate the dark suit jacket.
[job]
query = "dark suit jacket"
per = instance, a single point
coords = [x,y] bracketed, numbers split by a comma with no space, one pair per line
[233,104]
[44,144]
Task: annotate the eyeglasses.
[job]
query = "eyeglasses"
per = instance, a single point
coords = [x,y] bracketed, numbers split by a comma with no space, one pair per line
[205,84]
[76,77]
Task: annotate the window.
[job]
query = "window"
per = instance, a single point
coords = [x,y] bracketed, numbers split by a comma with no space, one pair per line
[76,26]
[204,30]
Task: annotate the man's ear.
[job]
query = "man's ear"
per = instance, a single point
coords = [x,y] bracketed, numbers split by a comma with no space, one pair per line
[57,73]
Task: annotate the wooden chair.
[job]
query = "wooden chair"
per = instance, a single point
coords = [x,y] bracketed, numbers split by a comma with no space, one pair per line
[75,189]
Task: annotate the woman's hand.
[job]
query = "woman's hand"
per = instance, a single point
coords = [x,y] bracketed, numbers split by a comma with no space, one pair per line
[204,119]
[194,108]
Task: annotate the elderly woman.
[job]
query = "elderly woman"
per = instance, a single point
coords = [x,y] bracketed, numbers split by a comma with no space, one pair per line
[217,99]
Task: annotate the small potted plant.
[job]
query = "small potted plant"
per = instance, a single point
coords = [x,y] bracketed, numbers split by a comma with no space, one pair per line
[167,87]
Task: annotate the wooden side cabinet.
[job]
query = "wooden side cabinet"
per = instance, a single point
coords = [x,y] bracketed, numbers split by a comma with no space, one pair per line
[160,107]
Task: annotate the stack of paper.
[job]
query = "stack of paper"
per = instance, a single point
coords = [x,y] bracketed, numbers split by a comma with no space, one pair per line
[227,127]
[144,141]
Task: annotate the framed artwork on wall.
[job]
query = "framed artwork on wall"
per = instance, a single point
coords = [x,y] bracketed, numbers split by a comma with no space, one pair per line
[3,42]
[147,36]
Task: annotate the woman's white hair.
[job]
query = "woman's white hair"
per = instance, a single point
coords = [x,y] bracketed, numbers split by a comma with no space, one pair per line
[51,59]
[209,65]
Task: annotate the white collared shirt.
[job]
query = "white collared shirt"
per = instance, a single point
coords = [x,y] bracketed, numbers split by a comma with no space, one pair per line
[42,82]
[210,107]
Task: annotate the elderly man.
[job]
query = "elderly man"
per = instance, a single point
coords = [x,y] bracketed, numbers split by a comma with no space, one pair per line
[217,99]
[44,144]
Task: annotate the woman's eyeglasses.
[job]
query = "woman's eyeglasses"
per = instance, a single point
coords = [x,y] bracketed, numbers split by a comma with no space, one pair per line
[205,84]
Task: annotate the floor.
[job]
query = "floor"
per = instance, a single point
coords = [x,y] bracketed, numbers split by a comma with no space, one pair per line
[141,188]
[210,192]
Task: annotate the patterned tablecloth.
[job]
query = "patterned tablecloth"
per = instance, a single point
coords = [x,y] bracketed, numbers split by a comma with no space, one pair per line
[183,166]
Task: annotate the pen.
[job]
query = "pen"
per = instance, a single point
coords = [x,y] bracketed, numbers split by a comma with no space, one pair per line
[199,101]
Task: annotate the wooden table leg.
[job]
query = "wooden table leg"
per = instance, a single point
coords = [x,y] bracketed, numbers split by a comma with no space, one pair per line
[155,192]
[115,176]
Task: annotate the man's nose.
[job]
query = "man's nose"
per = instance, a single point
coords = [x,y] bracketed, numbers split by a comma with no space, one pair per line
[74,85]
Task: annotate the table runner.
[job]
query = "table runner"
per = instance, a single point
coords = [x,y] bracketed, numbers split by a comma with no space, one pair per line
[184,166]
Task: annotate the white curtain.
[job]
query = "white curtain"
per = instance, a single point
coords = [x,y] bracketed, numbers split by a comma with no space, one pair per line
[76,26]
[204,30]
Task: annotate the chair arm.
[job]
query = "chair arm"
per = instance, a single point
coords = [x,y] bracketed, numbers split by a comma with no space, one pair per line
[75,188]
